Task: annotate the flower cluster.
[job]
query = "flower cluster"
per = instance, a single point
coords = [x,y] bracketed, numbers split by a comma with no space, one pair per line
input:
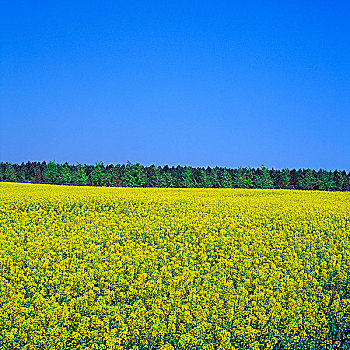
[148,268]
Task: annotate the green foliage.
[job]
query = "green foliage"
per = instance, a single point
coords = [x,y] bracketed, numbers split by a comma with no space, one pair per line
[170,180]
[159,178]
[111,177]
[187,179]
[80,175]
[264,180]
[249,177]
[134,175]
[284,179]
[98,175]
[240,179]
[22,175]
[65,174]
[226,180]
[214,178]
[52,175]
[340,180]
[306,180]
[204,179]
[10,173]
[326,180]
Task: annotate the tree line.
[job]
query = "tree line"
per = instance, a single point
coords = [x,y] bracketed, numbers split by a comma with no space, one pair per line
[137,175]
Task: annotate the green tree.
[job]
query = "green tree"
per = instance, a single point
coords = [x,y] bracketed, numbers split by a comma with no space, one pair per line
[39,174]
[134,175]
[274,178]
[340,180]
[285,178]
[65,174]
[204,179]
[170,180]
[187,179]
[226,180]
[22,175]
[240,178]
[214,178]
[10,172]
[52,175]
[249,177]
[263,180]
[306,180]
[98,175]
[111,176]
[326,180]
[80,175]
[118,175]
[159,178]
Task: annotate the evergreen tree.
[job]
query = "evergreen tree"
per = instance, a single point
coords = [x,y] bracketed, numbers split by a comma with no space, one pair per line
[17,169]
[52,174]
[187,179]
[240,178]
[39,175]
[133,176]
[263,180]
[293,179]
[31,171]
[339,180]
[306,180]
[196,176]
[346,185]
[98,175]
[170,180]
[111,176]
[118,175]
[284,178]
[257,179]
[22,175]
[204,179]
[160,180]
[214,178]
[226,180]
[10,173]
[137,175]
[274,178]
[249,177]
[80,176]
[326,180]
[65,174]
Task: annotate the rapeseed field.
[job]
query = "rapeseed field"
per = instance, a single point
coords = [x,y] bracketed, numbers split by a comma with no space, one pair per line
[124,268]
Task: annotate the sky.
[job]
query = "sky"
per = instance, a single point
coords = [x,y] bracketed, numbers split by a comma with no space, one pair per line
[199,83]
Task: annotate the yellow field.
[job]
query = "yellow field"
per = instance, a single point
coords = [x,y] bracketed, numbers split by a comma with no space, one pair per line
[117,268]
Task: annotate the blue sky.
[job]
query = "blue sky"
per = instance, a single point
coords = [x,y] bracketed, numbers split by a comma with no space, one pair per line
[201,83]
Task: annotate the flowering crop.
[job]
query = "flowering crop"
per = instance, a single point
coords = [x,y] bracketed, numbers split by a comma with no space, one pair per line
[123,268]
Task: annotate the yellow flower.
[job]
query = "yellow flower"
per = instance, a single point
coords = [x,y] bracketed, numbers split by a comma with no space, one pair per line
[117,268]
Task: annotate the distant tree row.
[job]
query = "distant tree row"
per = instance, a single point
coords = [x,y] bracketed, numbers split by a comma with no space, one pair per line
[137,175]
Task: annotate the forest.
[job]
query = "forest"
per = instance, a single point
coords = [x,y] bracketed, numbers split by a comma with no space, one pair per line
[137,175]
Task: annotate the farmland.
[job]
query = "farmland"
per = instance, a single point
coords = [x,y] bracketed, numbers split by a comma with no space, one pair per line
[157,268]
